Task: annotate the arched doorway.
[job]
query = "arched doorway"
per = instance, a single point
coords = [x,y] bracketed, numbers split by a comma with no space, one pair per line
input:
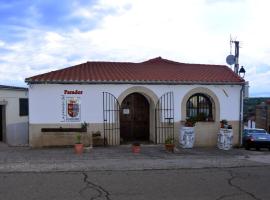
[134,118]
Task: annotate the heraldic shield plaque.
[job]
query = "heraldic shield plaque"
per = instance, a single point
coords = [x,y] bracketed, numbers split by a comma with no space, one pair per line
[73,109]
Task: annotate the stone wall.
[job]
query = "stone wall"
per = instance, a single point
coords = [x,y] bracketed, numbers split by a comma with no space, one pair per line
[205,134]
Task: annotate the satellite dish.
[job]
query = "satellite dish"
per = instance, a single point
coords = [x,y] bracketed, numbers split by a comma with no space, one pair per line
[230,60]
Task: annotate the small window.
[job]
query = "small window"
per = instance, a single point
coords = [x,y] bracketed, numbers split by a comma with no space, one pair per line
[23,107]
[199,107]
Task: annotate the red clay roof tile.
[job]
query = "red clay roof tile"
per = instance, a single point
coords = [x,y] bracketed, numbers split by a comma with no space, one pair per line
[157,70]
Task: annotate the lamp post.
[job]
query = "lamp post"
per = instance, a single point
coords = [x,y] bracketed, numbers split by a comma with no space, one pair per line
[242,72]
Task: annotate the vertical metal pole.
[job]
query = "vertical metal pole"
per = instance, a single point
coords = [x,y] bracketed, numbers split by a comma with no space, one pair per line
[107,118]
[164,120]
[171,118]
[110,120]
[156,124]
[104,119]
[159,121]
[103,114]
[114,122]
[118,121]
[113,116]
[236,65]
[166,114]
[173,113]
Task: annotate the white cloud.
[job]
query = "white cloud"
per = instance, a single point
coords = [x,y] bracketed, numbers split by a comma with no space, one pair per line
[186,31]
[2,43]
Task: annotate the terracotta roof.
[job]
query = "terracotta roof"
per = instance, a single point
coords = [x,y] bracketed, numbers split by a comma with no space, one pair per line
[155,71]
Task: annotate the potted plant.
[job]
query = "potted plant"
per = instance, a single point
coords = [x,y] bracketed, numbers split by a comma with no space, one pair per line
[223,123]
[169,144]
[136,147]
[190,122]
[84,126]
[78,147]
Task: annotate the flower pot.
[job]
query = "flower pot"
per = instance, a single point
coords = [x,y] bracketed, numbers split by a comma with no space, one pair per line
[78,148]
[136,148]
[169,147]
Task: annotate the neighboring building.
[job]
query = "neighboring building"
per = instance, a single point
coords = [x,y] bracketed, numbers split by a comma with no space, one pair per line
[263,115]
[13,115]
[250,107]
[127,102]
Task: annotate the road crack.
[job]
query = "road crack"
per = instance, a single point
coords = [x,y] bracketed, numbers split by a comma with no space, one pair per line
[230,182]
[101,192]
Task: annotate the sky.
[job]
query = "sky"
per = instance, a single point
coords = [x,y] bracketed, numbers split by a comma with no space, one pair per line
[39,36]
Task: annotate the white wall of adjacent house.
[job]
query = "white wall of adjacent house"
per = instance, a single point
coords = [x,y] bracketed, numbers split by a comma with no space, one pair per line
[14,126]
[46,101]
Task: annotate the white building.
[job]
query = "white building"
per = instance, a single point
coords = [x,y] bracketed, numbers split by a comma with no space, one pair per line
[13,115]
[127,102]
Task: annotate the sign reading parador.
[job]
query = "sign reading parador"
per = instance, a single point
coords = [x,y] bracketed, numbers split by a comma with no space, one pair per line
[71,106]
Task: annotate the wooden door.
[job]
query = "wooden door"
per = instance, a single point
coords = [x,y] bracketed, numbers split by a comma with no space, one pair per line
[134,118]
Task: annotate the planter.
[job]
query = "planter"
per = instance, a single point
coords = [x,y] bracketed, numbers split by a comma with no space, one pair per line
[225,139]
[78,148]
[136,148]
[169,147]
[187,137]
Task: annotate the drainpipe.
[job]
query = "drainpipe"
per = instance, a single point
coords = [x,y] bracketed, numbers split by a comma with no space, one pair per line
[241,115]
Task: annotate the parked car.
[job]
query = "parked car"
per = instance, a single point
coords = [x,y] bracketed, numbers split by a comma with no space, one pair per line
[256,138]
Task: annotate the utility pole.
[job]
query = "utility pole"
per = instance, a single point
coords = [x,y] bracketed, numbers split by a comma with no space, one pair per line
[236,65]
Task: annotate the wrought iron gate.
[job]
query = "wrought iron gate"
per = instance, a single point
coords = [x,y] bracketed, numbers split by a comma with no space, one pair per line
[164,113]
[111,123]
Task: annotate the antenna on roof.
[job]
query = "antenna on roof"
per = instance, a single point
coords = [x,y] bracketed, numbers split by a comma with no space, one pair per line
[236,55]
[234,59]
[230,44]
[230,59]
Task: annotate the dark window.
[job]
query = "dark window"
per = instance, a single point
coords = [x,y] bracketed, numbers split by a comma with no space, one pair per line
[23,107]
[199,107]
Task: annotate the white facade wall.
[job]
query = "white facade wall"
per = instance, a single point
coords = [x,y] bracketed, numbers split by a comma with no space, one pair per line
[45,100]
[15,126]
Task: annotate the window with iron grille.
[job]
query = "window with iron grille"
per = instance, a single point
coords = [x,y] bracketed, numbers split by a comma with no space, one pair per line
[199,106]
[23,103]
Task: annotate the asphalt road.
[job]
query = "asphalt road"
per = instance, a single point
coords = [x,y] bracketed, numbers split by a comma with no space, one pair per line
[215,183]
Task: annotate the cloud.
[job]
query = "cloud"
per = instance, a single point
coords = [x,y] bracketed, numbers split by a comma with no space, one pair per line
[259,83]
[56,35]
[15,16]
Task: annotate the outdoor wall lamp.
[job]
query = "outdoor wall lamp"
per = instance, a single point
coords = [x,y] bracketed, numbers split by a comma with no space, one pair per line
[242,72]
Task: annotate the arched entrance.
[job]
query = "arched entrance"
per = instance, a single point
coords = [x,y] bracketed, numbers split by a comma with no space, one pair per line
[134,118]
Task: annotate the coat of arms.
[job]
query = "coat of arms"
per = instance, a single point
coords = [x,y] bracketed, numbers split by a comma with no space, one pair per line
[73,108]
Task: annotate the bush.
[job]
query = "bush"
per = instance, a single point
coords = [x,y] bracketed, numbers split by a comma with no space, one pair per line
[190,122]
[169,140]
[78,138]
